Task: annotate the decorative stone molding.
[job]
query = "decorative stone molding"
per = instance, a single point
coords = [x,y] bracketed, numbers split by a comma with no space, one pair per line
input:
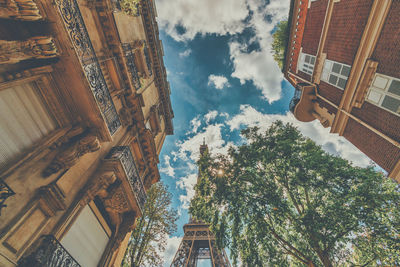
[52,197]
[365,82]
[19,9]
[35,47]
[72,153]
[116,201]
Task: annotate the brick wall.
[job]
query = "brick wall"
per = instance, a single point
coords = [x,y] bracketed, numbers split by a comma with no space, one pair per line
[346,28]
[294,47]
[313,27]
[379,150]
[380,119]
[387,51]
[330,92]
[323,104]
[304,75]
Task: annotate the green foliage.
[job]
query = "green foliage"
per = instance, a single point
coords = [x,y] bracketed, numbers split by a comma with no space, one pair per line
[283,201]
[130,7]
[149,237]
[280,40]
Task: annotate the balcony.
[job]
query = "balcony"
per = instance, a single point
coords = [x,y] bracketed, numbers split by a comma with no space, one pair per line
[123,155]
[295,100]
[302,103]
[50,253]
[76,28]
[131,64]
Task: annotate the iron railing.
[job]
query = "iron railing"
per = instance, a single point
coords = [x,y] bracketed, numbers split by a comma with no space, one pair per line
[5,192]
[124,155]
[130,62]
[50,253]
[73,21]
[148,60]
[295,99]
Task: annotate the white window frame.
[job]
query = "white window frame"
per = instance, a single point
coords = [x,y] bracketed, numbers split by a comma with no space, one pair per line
[379,91]
[306,63]
[328,71]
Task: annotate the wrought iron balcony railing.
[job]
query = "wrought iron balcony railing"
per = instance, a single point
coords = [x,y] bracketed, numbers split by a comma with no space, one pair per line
[75,26]
[148,60]
[124,155]
[5,192]
[295,99]
[130,59]
[50,253]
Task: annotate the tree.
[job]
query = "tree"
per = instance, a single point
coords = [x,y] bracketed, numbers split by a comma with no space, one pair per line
[149,237]
[279,43]
[280,200]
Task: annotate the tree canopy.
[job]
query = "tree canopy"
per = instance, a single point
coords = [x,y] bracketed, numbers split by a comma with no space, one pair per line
[280,39]
[280,200]
[149,237]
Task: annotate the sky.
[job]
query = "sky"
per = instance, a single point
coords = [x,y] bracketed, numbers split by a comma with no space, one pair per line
[223,78]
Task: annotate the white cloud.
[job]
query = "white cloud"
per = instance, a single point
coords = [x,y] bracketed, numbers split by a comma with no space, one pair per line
[195,124]
[211,115]
[201,17]
[170,249]
[218,81]
[259,66]
[187,183]
[168,168]
[331,143]
[185,53]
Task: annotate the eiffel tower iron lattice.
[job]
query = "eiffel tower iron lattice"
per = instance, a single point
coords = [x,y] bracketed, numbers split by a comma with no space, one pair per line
[199,243]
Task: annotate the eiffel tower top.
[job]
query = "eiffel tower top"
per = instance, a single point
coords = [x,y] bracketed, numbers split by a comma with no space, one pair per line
[203,147]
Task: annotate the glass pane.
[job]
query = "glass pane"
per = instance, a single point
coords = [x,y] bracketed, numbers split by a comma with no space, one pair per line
[374,96]
[333,79]
[345,71]
[313,60]
[380,82]
[336,68]
[307,59]
[395,87]
[341,83]
[391,103]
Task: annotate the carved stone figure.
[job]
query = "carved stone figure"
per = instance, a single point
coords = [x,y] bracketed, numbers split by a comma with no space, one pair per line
[35,47]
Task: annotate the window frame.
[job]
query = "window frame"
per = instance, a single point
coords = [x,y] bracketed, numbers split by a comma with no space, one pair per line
[383,91]
[46,88]
[333,73]
[304,66]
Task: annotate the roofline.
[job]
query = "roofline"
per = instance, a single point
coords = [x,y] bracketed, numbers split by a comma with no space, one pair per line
[288,32]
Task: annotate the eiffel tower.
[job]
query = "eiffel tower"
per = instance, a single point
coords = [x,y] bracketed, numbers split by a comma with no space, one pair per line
[199,243]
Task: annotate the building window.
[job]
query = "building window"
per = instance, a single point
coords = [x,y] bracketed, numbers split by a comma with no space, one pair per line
[335,73]
[306,63]
[385,92]
[24,120]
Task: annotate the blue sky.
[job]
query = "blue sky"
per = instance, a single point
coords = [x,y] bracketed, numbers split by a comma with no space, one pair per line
[223,79]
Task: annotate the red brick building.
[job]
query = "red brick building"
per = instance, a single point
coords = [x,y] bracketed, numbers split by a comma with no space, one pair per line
[343,58]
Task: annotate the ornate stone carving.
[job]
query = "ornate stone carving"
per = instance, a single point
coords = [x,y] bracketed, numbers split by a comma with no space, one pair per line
[117,201]
[35,47]
[72,153]
[19,9]
[126,116]
[127,225]
[98,187]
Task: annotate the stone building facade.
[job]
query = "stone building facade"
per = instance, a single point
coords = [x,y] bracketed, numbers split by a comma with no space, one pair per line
[84,111]
[342,57]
